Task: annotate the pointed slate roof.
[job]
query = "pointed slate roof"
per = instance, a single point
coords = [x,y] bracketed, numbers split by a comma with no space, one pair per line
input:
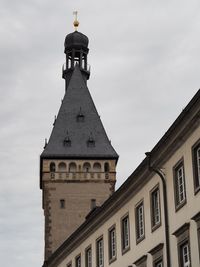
[78,131]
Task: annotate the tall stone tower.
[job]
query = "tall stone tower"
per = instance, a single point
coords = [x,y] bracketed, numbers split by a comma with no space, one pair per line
[77,166]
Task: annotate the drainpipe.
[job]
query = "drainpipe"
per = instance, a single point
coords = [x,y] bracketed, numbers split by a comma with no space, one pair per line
[162,176]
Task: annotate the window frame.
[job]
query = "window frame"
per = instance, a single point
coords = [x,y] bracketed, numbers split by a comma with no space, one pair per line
[100,239]
[182,255]
[158,261]
[69,264]
[155,225]
[78,257]
[125,248]
[110,246]
[196,168]
[183,237]
[89,248]
[62,203]
[141,262]
[157,254]
[139,236]
[196,218]
[179,204]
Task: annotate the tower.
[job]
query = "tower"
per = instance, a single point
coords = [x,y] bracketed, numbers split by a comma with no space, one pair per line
[78,163]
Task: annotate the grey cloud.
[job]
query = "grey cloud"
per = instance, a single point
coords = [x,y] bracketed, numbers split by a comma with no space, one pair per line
[145,68]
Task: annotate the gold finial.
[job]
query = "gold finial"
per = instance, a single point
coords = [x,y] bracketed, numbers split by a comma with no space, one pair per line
[76,23]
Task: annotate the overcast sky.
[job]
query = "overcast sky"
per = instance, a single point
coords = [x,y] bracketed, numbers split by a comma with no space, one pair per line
[144,58]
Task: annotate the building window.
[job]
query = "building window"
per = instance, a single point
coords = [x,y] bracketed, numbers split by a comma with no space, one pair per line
[72,167]
[179,185]
[97,167]
[196,166]
[91,141]
[100,255]
[62,166]
[182,235]
[69,264]
[185,255]
[86,167]
[112,243]
[158,263]
[78,261]
[196,218]
[88,257]
[62,203]
[125,234]
[106,167]
[139,217]
[80,117]
[141,262]
[155,208]
[157,255]
[52,167]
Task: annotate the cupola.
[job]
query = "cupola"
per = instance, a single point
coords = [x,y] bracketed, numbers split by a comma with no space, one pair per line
[76,50]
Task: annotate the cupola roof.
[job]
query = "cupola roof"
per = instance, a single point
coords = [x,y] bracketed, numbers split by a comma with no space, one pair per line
[76,40]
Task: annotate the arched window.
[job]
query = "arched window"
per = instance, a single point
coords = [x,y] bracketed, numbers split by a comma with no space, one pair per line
[52,167]
[72,167]
[97,167]
[62,166]
[106,167]
[86,167]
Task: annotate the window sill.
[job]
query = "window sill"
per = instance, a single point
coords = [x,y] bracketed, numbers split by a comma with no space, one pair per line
[140,239]
[125,250]
[155,227]
[179,206]
[196,190]
[112,260]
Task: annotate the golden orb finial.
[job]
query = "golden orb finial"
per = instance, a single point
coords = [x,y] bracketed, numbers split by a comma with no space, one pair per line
[76,23]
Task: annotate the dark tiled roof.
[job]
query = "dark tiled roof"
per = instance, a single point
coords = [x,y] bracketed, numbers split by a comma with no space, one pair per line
[78,130]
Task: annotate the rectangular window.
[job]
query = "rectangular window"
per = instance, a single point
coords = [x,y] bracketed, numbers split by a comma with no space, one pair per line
[78,261]
[185,255]
[100,255]
[62,203]
[196,218]
[183,245]
[112,243]
[139,216]
[158,263]
[125,233]
[88,257]
[179,184]
[155,208]
[157,255]
[196,166]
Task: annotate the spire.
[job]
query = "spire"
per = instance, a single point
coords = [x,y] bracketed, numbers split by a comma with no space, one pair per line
[78,138]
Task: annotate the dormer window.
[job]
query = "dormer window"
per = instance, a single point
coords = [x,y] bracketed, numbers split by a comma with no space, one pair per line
[91,141]
[67,141]
[80,117]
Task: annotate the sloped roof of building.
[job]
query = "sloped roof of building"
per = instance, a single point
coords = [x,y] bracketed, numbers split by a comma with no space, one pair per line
[78,131]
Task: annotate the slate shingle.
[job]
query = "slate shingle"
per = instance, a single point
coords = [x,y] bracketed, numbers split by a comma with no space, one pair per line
[78,99]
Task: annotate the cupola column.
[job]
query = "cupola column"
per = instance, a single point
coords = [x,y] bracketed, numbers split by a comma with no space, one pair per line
[73,55]
[80,59]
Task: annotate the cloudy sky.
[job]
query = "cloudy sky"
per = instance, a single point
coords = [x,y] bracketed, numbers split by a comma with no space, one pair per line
[144,58]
